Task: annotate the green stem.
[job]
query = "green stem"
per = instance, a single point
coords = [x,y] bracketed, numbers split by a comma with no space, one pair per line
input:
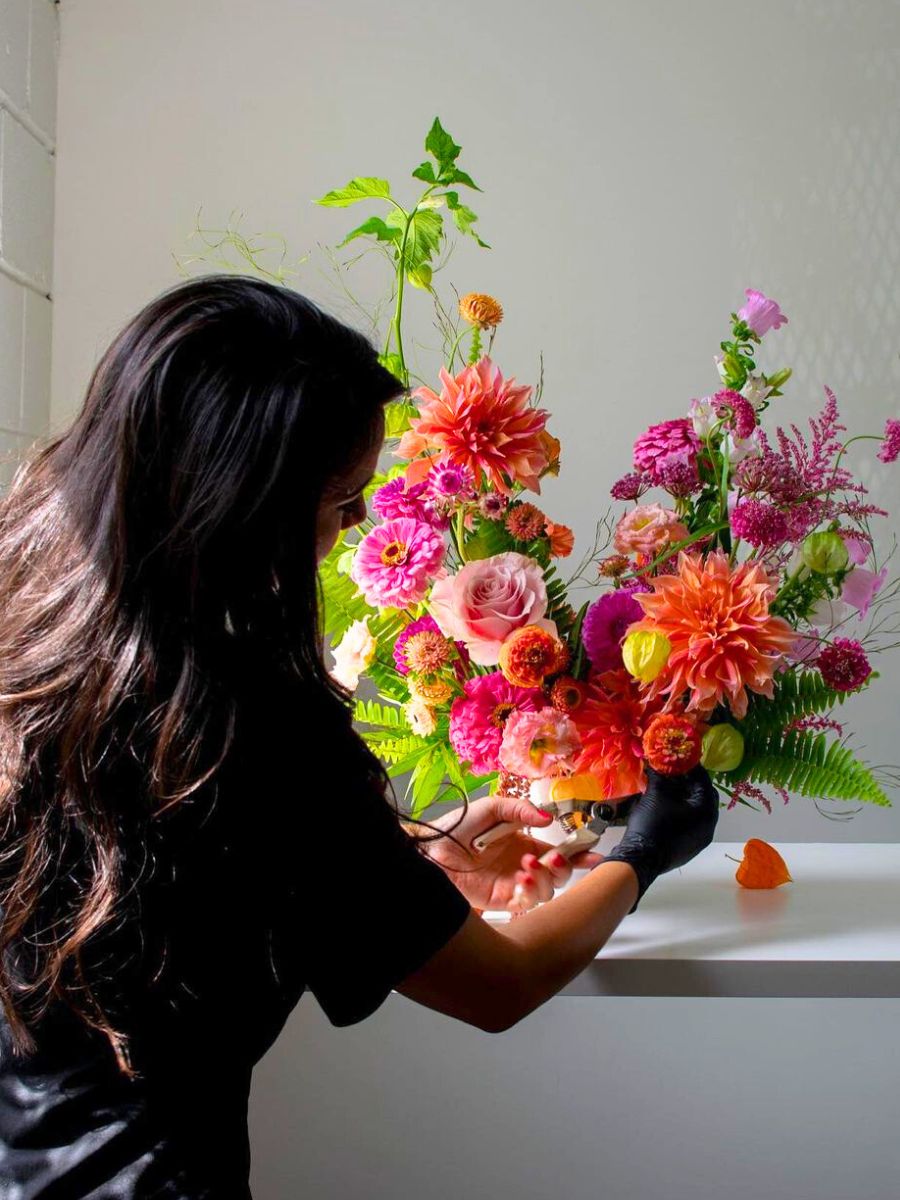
[460,534]
[454,348]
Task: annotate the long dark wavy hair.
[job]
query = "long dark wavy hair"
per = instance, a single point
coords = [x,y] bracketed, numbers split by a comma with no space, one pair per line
[179,509]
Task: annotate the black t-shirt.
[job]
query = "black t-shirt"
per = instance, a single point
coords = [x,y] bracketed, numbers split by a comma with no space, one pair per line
[289,872]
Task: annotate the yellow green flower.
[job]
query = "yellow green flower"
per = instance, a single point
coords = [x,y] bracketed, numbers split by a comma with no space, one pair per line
[645,652]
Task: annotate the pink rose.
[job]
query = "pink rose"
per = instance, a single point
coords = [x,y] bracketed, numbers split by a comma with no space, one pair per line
[648,529]
[487,600]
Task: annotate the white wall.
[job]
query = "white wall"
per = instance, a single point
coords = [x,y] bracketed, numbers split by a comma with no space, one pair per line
[28,52]
[643,161]
[642,164]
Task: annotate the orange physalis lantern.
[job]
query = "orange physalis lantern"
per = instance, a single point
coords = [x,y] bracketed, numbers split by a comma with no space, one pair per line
[762,866]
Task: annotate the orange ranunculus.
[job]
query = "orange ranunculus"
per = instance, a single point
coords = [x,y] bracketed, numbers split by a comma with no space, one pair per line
[529,655]
[724,639]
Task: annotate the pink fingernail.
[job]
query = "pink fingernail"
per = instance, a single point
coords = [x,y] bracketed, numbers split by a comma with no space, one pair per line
[528,881]
[559,860]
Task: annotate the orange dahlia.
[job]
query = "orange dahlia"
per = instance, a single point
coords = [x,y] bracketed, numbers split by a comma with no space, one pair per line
[724,639]
[529,655]
[611,723]
[481,421]
[672,744]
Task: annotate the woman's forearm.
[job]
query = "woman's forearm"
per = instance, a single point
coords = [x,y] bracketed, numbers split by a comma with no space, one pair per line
[556,941]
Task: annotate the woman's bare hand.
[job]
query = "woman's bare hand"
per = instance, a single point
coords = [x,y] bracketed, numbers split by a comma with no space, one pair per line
[488,878]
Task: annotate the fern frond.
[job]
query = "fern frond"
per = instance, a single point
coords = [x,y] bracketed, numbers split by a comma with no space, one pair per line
[797,694]
[805,763]
[384,716]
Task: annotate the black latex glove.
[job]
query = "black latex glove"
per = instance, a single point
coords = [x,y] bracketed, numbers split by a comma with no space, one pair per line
[672,821]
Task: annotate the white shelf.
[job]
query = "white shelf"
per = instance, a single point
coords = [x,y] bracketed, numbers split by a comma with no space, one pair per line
[833,932]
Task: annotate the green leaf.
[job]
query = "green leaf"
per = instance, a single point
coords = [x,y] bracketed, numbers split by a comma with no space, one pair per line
[384,716]
[396,418]
[426,779]
[364,187]
[342,602]
[345,561]
[441,146]
[376,228]
[392,363]
[425,172]
[426,228]
[457,176]
[489,538]
[463,217]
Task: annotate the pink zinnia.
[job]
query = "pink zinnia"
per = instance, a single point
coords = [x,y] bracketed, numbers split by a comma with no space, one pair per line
[667,440]
[447,481]
[477,719]
[604,627]
[396,561]
[482,422]
[844,665]
[890,448]
[536,745]
[759,523]
[760,313]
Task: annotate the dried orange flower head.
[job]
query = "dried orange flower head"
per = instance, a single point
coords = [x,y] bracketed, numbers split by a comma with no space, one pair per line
[431,692]
[762,866]
[480,309]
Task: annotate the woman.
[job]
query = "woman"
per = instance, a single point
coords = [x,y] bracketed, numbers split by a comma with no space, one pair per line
[178,767]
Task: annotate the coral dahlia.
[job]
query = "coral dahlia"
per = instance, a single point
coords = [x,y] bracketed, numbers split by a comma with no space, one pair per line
[481,421]
[724,639]
[611,723]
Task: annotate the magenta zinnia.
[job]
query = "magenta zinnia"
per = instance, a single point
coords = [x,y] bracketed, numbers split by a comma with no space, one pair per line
[396,561]
[477,719]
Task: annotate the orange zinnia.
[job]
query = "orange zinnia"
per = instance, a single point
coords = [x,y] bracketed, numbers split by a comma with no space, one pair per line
[481,421]
[724,639]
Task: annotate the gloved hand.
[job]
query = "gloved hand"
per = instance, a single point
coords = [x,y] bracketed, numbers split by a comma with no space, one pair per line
[672,821]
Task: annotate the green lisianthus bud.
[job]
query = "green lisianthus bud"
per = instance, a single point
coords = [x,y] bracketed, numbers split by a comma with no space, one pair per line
[824,553]
[723,748]
[645,653]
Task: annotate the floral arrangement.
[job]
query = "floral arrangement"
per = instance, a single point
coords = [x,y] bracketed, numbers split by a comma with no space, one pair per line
[728,628]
